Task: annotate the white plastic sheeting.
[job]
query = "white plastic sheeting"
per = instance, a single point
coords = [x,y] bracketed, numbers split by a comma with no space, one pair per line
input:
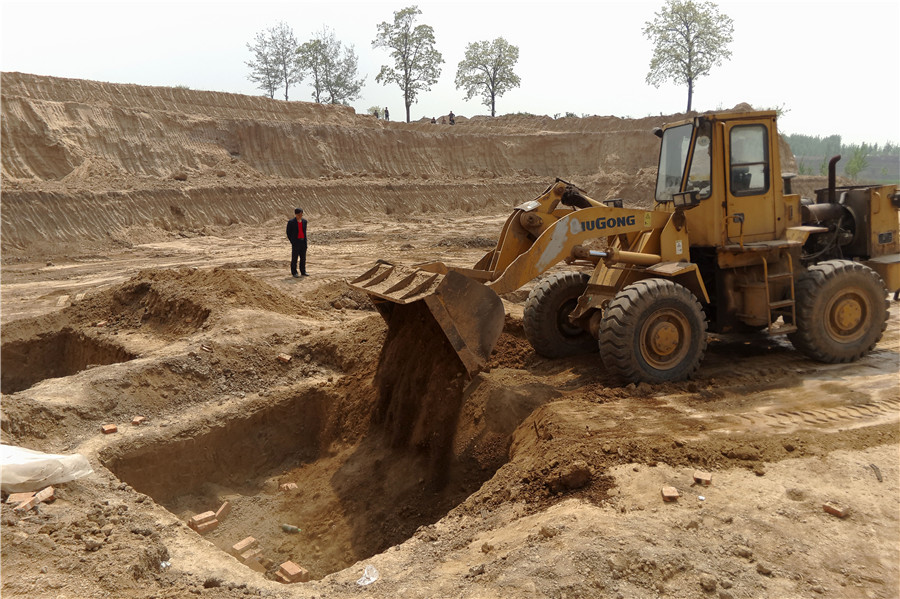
[24,470]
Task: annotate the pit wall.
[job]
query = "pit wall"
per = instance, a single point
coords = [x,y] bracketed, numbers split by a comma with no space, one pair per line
[84,159]
[229,451]
[52,126]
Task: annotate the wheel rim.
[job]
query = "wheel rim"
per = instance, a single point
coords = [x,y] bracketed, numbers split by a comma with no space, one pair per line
[847,315]
[665,338]
[563,323]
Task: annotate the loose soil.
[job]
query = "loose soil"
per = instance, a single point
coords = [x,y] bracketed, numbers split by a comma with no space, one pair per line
[127,292]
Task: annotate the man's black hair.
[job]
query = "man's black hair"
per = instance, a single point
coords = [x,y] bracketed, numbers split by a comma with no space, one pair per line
[298,210]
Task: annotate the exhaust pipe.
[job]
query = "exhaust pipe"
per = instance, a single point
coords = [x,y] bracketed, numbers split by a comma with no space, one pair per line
[832,179]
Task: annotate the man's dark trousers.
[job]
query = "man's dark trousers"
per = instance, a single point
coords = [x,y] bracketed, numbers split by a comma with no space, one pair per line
[298,252]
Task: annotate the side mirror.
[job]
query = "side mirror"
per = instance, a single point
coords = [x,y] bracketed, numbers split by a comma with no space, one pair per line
[688,199]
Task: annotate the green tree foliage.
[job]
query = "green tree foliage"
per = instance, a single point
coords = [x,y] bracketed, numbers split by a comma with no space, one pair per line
[870,161]
[416,62]
[857,163]
[262,68]
[331,67]
[274,63]
[807,145]
[689,38]
[487,69]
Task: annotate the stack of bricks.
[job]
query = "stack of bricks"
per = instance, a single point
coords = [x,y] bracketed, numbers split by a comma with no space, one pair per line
[207,521]
[203,523]
[289,572]
[26,501]
[249,554]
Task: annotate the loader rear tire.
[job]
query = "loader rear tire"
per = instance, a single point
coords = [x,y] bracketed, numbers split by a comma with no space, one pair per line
[842,311]
[653,331]
[546,318]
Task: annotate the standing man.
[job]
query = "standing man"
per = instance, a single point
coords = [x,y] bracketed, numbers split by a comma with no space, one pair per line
[387,115]
[296,234]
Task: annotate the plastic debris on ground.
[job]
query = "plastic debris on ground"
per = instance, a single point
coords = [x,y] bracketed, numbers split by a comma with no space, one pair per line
[370,575]
[28,470]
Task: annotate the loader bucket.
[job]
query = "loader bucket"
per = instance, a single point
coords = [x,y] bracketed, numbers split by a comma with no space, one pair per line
[470,314]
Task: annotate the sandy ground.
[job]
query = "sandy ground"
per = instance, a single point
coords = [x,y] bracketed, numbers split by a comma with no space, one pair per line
[551,487]
[145,273]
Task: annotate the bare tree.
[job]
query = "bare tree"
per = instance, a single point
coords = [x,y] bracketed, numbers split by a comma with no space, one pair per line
[689,39]
[416,62]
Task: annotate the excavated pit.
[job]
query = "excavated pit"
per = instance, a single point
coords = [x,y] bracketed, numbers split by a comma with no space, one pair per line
[371,463]
[55,354]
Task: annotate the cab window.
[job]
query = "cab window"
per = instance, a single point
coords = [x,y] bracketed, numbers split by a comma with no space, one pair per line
[701,163]
[749,160]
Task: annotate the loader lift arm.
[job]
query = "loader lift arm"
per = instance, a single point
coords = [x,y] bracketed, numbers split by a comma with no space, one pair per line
[537,235]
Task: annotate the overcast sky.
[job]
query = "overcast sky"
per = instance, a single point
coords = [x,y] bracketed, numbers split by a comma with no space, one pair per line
[834,67]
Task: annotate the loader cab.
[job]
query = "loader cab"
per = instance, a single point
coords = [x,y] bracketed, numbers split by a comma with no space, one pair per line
[719,167]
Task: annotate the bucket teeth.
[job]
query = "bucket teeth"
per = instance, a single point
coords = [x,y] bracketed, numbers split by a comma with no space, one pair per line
[469,314]
[397,283]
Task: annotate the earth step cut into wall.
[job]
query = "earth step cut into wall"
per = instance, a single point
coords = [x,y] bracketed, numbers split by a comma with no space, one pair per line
[82,159]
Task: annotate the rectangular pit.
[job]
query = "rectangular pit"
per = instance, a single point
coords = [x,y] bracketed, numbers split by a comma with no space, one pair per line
[26,362]
[355,497]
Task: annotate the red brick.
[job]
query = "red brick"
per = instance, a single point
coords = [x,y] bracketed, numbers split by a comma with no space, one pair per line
[138,420]
[241,546]
[293,572]
[702,478]
[108,429]
[255,564]
[289,569]
[670,494]
[19,497]
[254,553]
[202,518]
[205,527]
[47,495]
[223,511]
[27,505]
[836,509]
[281,578]
[284,358]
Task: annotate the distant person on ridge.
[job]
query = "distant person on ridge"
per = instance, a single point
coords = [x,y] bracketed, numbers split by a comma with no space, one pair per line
[296,234]
[433,121]
[452,118]
[387,115]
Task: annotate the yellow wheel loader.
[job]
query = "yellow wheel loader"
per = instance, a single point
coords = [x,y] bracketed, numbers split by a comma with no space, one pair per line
[727,248]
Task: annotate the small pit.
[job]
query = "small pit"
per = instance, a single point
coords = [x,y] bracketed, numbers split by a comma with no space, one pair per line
[26,362]
[352,499]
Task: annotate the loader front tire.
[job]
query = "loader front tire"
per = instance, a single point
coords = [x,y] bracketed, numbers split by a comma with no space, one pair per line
[653,331]
[842,311]
[546,319]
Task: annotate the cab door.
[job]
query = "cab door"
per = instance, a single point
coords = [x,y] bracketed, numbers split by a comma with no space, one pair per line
[750,194]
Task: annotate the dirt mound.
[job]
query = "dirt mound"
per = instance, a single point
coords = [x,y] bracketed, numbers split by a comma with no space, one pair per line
[167,302]
[339,295]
